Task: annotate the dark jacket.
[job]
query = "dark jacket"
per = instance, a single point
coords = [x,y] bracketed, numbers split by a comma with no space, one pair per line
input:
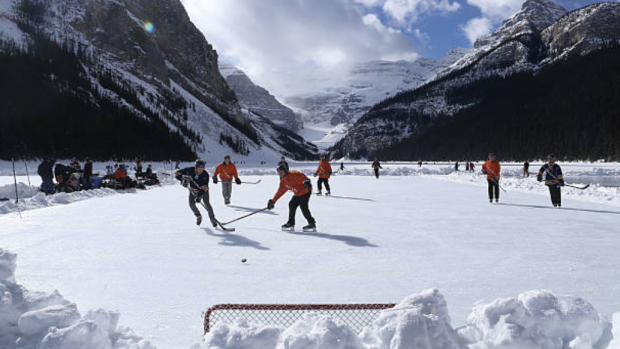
[552,175]
[376,165]
[88,169]
[45,169]
[200,183]
[283,163]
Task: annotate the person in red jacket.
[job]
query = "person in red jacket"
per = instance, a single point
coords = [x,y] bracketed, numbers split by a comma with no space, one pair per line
[301,187]
[323,171]
[226,170]
[491,168]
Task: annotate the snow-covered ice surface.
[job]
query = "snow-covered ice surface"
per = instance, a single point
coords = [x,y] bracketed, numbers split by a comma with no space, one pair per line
[377,241]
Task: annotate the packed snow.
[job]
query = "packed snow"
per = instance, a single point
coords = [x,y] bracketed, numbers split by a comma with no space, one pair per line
[425,236]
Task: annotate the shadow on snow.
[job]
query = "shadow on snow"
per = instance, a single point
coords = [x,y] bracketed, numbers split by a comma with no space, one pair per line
[563,208]
[235,240]
[349,240]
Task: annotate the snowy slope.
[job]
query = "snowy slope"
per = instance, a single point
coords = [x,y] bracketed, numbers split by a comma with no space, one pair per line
[334,99]
[378,241]
[168,72]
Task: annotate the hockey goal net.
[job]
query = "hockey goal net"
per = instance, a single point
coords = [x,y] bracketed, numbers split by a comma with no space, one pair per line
[356,316]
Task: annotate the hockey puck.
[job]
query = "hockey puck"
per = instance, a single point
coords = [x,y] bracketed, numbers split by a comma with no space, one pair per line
[244,260]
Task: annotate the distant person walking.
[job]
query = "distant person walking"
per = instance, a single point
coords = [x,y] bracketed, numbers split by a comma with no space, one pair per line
[526,169]
[551,173]
[324,171]
[376,166]
[341,165]
[226,170]
[283,163]
[456,166]
[492,169]
[88,172]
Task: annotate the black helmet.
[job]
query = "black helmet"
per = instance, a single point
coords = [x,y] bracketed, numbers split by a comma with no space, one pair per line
[282,168]
[550,157]
[200,163]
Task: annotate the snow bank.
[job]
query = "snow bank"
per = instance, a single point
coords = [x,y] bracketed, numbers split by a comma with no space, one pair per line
[537,320]
[533,320]
[48,321]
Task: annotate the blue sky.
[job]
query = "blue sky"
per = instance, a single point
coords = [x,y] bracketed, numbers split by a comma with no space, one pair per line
[272,40]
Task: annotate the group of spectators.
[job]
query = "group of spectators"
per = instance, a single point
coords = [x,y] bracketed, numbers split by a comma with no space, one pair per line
[73,177]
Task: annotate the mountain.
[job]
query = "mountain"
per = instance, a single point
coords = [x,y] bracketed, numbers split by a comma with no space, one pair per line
[119,78]
[258,99]
[545,81]
[335,99]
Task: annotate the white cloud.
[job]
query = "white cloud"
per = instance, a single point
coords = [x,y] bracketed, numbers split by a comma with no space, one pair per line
[497,9]
[269,38]
[408,11]
[477,27]
[373,3]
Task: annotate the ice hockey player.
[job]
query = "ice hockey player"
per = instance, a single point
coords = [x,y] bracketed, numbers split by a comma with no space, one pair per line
[492,168]
[197,180]
[301,187]
[551,173]
[376,166]
[323,171]
[283,162]
[226,170]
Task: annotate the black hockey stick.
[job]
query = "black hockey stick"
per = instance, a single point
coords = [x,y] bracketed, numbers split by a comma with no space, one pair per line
[258,181]
[568,185]
[245,216]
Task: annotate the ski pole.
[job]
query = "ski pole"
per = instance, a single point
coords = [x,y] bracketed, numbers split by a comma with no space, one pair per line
[16,193]
[245,216]
[27,174]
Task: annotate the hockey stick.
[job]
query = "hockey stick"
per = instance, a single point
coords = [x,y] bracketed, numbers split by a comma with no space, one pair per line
[245,216]
[568,185]
[205,206]
[252,182]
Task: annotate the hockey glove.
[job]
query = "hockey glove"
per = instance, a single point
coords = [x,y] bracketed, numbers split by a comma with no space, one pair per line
[496,179]
[271,205]
[214,179]
[198,199]
[484,171]
[184,183]
[307,184]
[330,173]
[237,180]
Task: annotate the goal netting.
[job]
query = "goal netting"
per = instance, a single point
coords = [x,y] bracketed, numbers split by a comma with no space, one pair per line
[356,316]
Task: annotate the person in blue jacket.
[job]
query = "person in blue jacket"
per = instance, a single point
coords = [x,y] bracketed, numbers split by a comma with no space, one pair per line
[197,180]
[551,173]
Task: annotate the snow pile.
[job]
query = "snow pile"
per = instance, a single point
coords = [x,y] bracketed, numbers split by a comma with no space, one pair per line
[48,321]
[242,335]
[419,321]
[537,320]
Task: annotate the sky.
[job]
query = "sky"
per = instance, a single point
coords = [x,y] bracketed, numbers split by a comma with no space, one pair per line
[273,38]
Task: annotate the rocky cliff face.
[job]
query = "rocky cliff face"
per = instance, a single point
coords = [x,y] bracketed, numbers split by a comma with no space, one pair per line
[539,35]
[259,100]
[143,57]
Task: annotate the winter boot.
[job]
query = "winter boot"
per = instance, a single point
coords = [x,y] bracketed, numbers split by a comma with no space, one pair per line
[198,220]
